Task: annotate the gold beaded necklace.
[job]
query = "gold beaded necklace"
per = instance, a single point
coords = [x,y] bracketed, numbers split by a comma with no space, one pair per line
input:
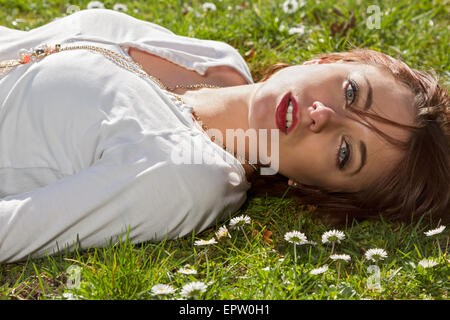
[29,56]
[197,118]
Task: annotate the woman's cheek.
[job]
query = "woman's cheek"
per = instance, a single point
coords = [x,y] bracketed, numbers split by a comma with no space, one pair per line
[309,159]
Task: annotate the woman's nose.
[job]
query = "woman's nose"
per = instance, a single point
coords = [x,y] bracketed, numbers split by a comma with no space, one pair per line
[321,116]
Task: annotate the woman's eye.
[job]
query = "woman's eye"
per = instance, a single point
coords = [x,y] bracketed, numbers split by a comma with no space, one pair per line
[350,92]
[343,154]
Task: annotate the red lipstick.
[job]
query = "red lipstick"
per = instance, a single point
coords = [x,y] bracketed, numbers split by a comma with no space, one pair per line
[280,114]
[294,115]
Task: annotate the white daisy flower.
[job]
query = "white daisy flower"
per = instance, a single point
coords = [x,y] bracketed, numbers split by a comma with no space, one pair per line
[295,237]
[72,9]
[120,7]
[70,296]
[205,242]
[240,221]
[208,6]
[433,232]
[222,232]
[187,8]
[187,269]
[290,6]
[16,22]
[160,289]
[95,5]
[333,236]
[343,257]
[320,270]
[375,254]
[193,289]
[428,263]
[296,30]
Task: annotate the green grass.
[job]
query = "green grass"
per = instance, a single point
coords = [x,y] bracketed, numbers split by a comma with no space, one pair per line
[260,264]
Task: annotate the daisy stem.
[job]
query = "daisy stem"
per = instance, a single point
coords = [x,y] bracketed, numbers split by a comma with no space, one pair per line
[439,247]
[242,229]
[295,254]
[332,247]
[339,270]
[206,258]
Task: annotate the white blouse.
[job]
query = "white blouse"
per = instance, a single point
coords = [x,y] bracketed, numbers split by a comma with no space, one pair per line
[90,151]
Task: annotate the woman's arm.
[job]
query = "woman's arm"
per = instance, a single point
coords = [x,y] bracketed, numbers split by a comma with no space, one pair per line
[123,189]
[161,51]
[171,74]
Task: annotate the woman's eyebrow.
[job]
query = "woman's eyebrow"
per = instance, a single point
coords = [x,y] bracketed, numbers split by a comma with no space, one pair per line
[368,103]
[363,152]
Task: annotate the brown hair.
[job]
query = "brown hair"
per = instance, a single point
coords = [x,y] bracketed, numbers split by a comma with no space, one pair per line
[419,185]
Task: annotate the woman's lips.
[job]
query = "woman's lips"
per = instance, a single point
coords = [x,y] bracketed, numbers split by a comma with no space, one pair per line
[280,114]
[295,115]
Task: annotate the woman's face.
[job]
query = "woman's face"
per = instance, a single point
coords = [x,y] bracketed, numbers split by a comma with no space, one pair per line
[326,148]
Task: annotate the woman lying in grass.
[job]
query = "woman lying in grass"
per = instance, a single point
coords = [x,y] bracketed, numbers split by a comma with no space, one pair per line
[101,130]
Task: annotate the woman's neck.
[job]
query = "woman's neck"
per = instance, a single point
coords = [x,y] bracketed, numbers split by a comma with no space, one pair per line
[222,109]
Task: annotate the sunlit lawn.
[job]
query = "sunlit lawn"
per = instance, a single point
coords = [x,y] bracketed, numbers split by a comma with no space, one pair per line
[256,261]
